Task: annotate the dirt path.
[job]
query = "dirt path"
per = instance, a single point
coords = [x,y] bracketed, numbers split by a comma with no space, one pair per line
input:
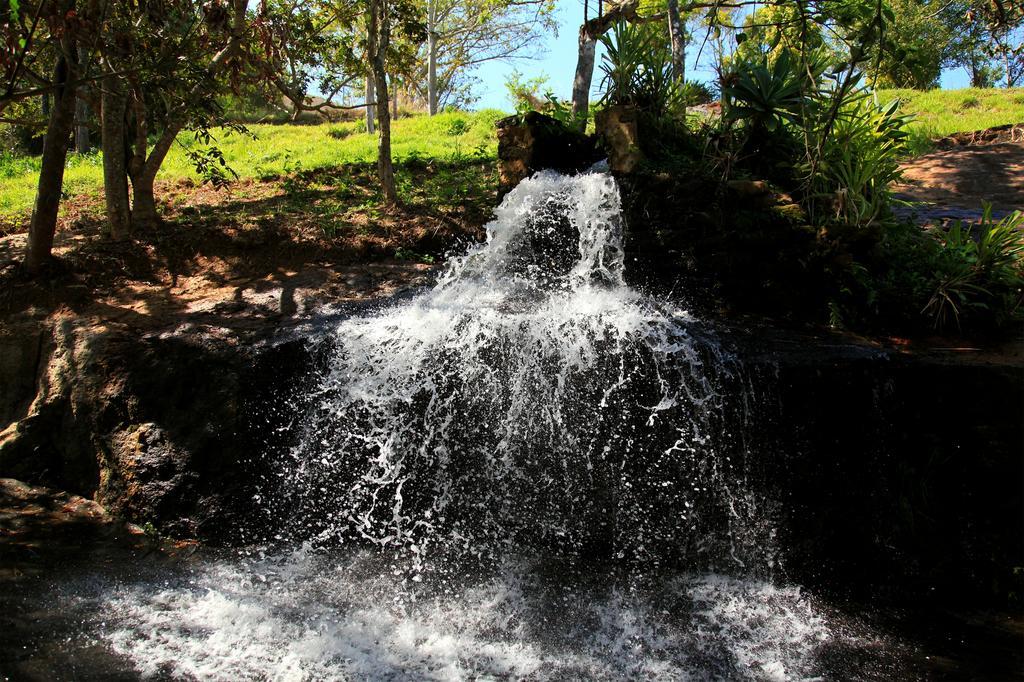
[953,184]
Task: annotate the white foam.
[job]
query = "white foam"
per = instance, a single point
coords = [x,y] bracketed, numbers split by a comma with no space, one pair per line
[305,618]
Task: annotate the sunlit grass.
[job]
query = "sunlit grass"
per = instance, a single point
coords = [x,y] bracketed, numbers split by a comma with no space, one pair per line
[277,150]
[938,113]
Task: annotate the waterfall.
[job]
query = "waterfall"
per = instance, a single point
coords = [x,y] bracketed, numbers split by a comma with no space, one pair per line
[528,471]
[531,399]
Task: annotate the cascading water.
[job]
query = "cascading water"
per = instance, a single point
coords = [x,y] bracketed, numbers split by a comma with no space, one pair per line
[528,471]
[529,399]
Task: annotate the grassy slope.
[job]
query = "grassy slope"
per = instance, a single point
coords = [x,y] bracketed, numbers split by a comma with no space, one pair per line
[277,150]
[286,149]
[941,112]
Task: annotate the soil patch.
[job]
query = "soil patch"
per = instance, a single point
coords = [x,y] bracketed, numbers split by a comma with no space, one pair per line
[954,184]
[256,253]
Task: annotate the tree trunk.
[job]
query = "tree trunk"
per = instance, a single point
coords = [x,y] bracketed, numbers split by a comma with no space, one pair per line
[81,126]
[115,155]
[432,57]
[376,46]
[144,202]
[370,98]
[82,112]
[144,198]
[432,71]
[394,99]
[678,41]
[55,152]
[972,68]
[584,77]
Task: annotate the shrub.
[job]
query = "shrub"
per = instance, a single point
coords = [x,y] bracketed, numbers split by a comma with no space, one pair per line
[696,92]
[858,161]
[457,126]
[638,71]
[339,132]
[979,276]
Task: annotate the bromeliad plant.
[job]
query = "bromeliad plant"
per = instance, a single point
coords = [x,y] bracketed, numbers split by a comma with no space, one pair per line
[979,275]
[858,162]
[765,97]
[834,144]
[638,71]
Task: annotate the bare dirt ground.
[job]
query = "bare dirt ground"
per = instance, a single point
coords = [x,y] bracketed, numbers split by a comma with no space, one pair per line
[954,183]
[256,255]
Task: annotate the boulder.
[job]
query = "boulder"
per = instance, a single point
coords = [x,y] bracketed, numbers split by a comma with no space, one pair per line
[617,128]
[534,141]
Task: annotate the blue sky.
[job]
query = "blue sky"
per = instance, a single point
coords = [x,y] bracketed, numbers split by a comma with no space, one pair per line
[558,62]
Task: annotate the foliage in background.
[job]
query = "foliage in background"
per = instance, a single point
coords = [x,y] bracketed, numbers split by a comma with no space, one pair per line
[277,151]
[937,113]
[774,30]
[914,46]
[526,93]
[465,34]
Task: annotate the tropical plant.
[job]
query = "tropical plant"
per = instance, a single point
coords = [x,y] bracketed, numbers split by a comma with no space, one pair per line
[858,163]
[765,95]
[696,92]
[637,70]
[979,274]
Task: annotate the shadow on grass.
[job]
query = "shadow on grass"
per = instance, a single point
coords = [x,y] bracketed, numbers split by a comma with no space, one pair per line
[258,237]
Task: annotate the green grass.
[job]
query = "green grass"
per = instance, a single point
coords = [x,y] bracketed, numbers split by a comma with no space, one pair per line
[278,150]
[938,113]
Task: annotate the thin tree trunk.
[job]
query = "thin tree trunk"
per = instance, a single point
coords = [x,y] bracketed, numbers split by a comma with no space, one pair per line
[376,47]
[370,98]
[82,112]
[394,99]
[590,31]
[432,58]
[584,77]
[115,154]
[142,188]
[142,168]
[82,142]
[678,41]
[51,173]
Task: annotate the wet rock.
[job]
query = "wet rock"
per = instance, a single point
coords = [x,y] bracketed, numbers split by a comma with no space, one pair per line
[617,128]
[535,141]
[156,427]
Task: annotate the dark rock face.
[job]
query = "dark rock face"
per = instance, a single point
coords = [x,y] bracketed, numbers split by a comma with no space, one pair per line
[898,474]
[533,142]
[905,476]
[890,473]
[158,428]
[738,247]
